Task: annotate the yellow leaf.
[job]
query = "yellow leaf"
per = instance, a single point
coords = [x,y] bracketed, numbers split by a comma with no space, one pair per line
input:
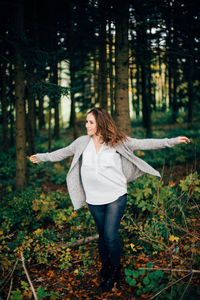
[173,238]
[133,247]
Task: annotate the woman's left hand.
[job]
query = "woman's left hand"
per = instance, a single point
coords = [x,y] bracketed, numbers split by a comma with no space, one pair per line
[183,139]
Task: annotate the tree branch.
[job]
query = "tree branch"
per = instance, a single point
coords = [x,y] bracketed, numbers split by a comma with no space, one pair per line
[28,277]
[171,270]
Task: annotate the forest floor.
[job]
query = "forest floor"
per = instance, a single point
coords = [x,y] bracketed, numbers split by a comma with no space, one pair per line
[71,285]
[81,280]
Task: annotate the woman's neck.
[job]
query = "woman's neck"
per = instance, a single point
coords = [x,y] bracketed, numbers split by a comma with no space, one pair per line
[97,138]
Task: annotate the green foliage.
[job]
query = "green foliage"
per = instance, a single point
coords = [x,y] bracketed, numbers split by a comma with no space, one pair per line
[157,212]
[145,282]
[43,294]
[43,224]
[191,185]
[7,170]
[16,295]
[26,293]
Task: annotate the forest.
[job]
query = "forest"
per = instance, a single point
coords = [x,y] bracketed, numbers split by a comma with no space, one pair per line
[140,60]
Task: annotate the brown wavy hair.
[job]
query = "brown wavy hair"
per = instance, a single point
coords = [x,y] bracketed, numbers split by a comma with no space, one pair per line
[106,127]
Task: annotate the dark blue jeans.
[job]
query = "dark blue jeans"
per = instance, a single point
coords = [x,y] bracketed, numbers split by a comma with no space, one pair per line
[107,219]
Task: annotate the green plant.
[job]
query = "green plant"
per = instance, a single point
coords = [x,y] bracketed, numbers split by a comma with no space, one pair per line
[145,282]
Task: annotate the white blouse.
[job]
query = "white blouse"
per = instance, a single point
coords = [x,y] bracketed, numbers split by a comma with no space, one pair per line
[102,176]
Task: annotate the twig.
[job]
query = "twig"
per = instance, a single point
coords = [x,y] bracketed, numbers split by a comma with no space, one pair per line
[168,286]
[171,270]
[28,277]
[145,234]
[9,275]
[80,241]
[10,289]
[7,236]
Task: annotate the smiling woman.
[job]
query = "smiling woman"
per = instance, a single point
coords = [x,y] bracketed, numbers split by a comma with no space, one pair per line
[91,124]
[102,166]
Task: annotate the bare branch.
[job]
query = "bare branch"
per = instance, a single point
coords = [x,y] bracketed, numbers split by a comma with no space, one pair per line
[10,289]
[171,270]
[169,286]
[28,277]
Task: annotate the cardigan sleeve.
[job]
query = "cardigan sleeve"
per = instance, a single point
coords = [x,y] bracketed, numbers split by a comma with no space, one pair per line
[151,144]
[57,155]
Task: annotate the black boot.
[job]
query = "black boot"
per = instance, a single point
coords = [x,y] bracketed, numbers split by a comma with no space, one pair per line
[113,276]
[105,270]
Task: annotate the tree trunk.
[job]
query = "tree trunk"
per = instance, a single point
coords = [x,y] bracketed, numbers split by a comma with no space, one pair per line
[132,89]
[190,70]
[56,104]
[137,89]
[174,66]
[31,115]
[11,103]
[144,61]
[95,79]
[49,126]
[41,113]
[121,67]
[112,108]
[145,101]
[72,93]
[20,122]
[190,89]
[72,123]
[4,107]
[169,54]
[102,56]
[21,164]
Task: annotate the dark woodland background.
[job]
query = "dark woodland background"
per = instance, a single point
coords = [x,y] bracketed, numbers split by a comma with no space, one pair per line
[141,61]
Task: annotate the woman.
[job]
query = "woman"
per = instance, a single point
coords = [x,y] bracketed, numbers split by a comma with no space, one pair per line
[103,163]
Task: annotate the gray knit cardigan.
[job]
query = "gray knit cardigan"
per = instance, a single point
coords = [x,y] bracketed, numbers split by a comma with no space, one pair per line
[132,166]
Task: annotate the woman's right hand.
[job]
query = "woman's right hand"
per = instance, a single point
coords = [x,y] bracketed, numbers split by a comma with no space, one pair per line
[33,159]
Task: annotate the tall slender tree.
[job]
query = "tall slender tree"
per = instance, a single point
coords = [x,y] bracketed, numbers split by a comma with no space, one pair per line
[21,164]
[4,106]
[121,66]
[102,55]
[144,62]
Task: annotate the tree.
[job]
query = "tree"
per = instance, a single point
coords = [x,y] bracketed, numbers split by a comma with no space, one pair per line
[102,55]
[121,66]
[21,164]
[4,106]
[143,59]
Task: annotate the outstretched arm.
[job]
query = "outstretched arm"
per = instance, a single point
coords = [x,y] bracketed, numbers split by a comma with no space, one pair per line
[150,144]
[54,156]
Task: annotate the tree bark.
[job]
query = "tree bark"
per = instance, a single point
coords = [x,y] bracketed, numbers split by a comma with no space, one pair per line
[137,89]
[121,67]
[41,112]
[11,98]
[190,70]
[21,164]
[144,62]
[56,104]
[112,108]
[4,107]
[72,123]
[102,56]
[50,127]
[174,65]
[31,114]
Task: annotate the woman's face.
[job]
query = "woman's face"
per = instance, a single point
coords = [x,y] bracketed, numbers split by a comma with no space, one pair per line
[91,124]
